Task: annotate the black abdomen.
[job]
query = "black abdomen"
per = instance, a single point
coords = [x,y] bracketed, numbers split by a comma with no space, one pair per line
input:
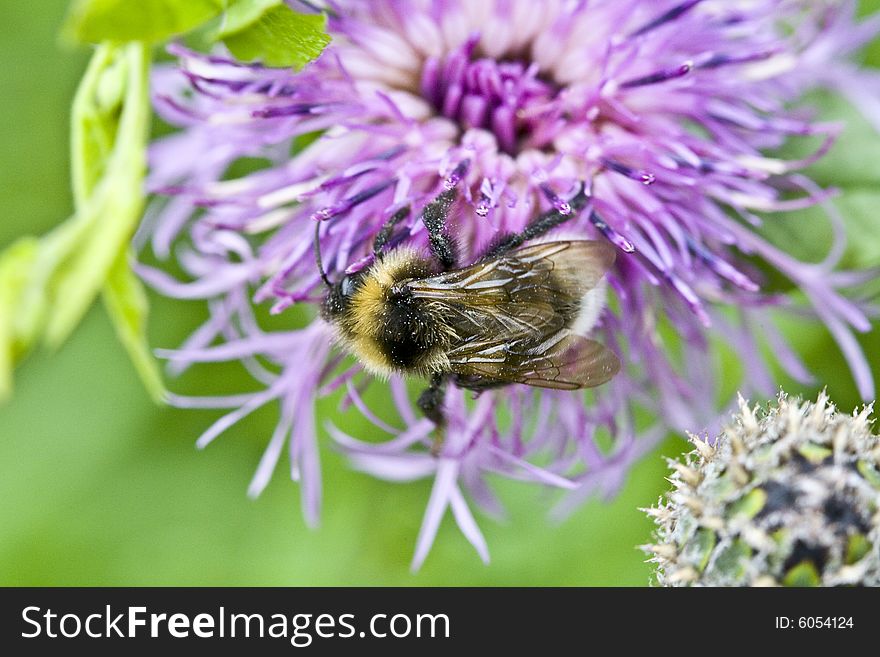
[407,336]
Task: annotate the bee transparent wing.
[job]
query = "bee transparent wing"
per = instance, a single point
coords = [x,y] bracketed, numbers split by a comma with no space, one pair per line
[575,266]
[512,315]
[532,292]
[565,361]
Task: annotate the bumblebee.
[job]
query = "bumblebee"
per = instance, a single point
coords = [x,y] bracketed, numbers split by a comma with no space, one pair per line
[519,314]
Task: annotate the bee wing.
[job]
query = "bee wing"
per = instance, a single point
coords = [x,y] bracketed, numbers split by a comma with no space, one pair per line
[566,361]
[511,316]
[530,292]
[576,266]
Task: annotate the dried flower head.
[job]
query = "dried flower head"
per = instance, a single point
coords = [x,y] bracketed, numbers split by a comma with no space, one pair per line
[788,495]
[665,112]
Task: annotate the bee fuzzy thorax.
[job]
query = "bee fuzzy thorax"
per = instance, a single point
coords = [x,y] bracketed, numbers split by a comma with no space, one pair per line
[382,324]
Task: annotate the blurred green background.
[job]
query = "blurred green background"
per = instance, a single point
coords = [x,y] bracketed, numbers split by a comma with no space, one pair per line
[100,487]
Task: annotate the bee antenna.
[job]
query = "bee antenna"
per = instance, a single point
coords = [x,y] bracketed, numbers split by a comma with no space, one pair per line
[318,255]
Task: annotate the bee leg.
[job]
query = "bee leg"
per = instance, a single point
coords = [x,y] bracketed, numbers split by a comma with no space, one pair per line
[434,217]
[439,439]
[537,227]
[430,402]
[384,235]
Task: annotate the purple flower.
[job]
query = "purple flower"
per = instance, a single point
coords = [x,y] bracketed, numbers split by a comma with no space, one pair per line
[669,112]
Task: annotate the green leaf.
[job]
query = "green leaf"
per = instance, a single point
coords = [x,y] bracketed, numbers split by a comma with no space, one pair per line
[126,302]
[272,33]
[150,21]
[47,284]
[243,14]
[108,190]
[859,208]
[807,234]
[109,138]
[15,262]
[35,302]
[844,165]
[94,121]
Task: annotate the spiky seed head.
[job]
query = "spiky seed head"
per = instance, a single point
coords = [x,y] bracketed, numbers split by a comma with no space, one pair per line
[786,495]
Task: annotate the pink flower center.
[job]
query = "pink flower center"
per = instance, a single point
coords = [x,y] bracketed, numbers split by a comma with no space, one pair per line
[505,97]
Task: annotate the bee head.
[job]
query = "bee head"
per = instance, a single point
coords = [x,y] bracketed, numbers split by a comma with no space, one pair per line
[338,299]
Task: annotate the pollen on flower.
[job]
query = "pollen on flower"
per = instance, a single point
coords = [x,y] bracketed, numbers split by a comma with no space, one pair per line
[667,114]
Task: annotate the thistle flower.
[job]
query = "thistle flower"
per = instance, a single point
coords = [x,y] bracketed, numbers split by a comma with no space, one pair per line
[666,112]
[790,495]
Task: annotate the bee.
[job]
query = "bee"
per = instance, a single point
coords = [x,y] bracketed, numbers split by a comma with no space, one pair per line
[519,314]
